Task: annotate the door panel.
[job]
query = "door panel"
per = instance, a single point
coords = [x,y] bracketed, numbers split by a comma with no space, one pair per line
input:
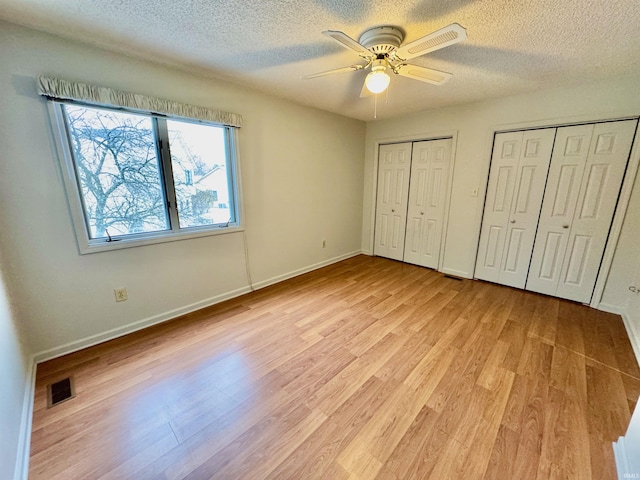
[504,163]
[504,188]
[523,198]
[401,184]
[514,248]
[566,187]
[565,175]
[552,243]
[578,254]
[533,168]
[492,253]
[596,203]
[578,208]
[383,221]
[598,174]
[431,243]
[516,187]
[391,205]
[427,198]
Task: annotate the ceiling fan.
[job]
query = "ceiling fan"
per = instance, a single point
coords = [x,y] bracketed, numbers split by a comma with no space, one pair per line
[381,49]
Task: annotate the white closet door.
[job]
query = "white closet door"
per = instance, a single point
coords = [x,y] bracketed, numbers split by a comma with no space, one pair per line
[587,168]
[504,164]
[519,169]
[394,163]
[565,176]
[602,178]
[427,197]
[535,156]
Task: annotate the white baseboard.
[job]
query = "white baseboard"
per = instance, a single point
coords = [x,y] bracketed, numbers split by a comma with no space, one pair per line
[609,308]
[163,317]
[22,462]
[24,442]
[633,334]
[301,271]
[620,455]
[455,273]
[134,327]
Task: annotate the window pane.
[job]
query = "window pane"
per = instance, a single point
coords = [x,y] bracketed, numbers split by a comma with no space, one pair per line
[200,173]
[118,171]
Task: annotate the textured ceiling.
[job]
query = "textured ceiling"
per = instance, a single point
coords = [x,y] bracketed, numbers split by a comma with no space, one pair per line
[514,46]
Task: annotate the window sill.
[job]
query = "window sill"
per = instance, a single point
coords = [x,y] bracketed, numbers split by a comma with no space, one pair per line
[152,239]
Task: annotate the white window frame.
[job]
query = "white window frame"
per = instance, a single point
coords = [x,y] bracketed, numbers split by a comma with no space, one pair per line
[87,245]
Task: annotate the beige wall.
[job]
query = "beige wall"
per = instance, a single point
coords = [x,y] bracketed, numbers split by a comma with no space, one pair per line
[626,271]
[14,372]
[474,125]
[302,183]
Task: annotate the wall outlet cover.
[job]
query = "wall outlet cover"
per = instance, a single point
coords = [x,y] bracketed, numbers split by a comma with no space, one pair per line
[121,294]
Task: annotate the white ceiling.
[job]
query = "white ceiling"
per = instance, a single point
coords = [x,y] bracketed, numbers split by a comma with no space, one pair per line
[514,46]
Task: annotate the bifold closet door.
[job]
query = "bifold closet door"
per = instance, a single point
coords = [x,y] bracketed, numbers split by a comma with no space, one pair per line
[519,167]
[586,174]
[394,167]
[427,197]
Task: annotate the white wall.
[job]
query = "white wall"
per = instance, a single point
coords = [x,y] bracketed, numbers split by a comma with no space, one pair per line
[627,447]
[475,125]
[302,183]
[14,372]
[626,264]
[631,313]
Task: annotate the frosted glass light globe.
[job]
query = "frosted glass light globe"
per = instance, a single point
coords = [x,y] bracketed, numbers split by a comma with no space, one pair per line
[377,82]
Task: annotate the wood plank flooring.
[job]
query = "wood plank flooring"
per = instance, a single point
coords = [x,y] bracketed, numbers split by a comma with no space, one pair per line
[365,369]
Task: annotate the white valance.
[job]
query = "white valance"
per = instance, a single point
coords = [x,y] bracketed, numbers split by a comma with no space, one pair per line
[65,90]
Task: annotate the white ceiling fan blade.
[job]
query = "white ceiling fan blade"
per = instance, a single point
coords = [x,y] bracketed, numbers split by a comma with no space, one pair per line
[347,42]
[429,75]
[351,68]
[444,37]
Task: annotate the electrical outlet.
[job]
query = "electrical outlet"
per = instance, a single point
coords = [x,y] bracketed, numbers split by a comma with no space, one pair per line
[324,244]
[121,294]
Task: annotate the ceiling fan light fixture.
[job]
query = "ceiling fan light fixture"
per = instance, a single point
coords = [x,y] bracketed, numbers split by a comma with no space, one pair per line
[378,80]
[382,50]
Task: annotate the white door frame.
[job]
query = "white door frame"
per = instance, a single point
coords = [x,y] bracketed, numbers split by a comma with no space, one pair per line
[623,199]
[453,135]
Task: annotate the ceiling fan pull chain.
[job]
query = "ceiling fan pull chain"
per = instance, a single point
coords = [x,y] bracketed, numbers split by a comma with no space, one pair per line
[375,106]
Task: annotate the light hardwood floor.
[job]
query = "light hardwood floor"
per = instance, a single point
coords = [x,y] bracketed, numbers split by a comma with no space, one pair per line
[368,368]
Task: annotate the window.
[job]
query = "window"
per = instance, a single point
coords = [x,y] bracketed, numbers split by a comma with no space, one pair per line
[135,178]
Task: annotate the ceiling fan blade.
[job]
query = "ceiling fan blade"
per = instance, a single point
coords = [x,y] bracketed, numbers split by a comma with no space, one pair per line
[444,37]
[428,75]
[351,68]
[347,42]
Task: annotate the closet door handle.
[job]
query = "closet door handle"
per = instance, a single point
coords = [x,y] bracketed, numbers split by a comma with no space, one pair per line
[565,226]
[513,221]
[421,213]
[392,210]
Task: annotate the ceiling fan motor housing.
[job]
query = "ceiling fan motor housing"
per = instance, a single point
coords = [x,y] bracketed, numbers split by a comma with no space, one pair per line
[382,40]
